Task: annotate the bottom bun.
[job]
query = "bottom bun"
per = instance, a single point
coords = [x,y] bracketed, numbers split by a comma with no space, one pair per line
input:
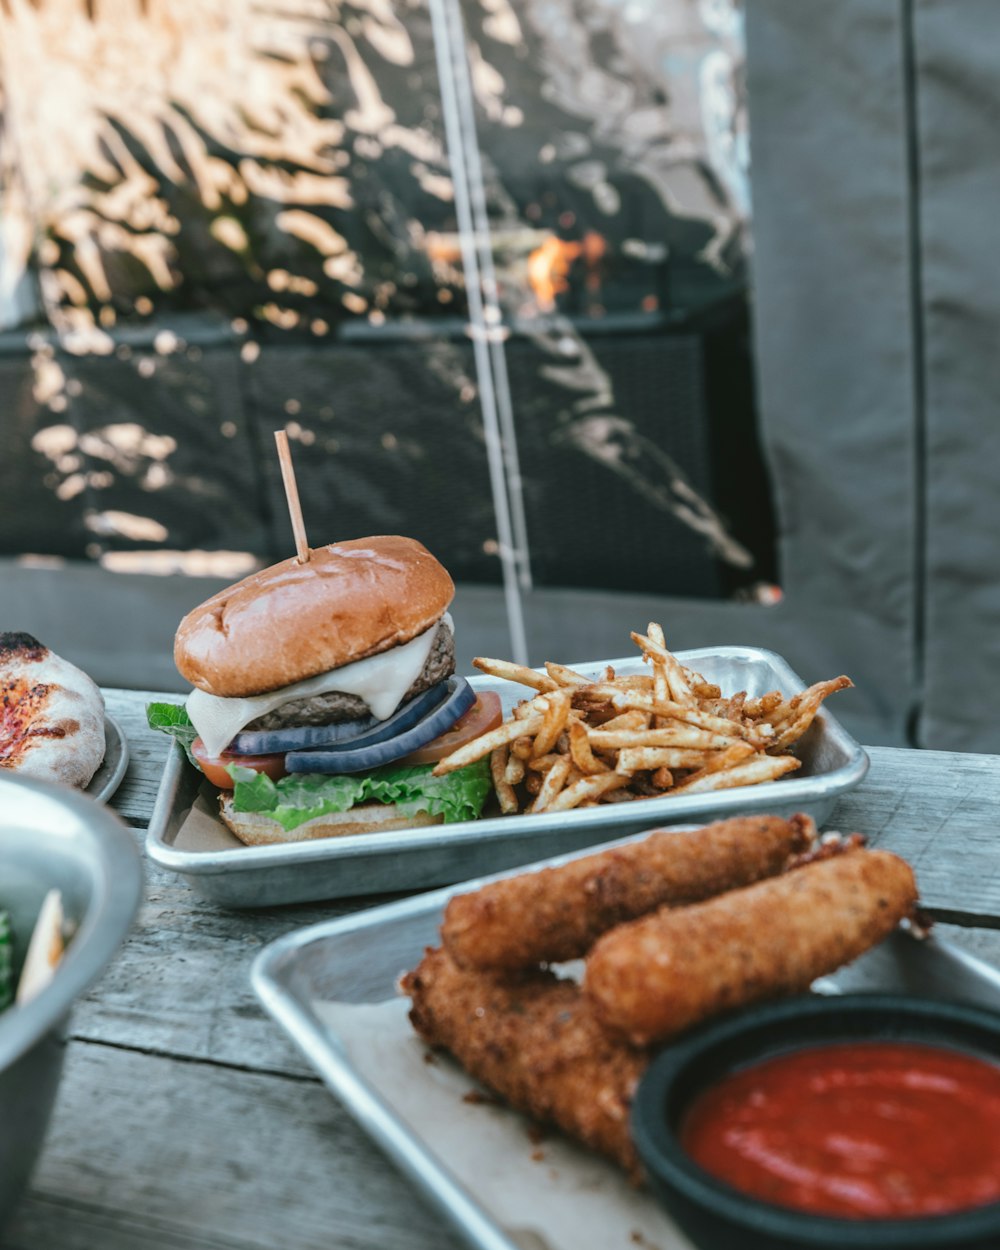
[256,829]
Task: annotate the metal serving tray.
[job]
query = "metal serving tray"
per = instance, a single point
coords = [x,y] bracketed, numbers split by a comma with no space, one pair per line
[235,875]
[358,959]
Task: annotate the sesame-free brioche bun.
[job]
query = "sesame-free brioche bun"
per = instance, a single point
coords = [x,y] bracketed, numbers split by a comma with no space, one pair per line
[292,621]
[258,829]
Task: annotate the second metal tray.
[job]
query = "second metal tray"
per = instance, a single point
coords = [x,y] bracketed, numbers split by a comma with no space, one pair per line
[315,980]
[235,875]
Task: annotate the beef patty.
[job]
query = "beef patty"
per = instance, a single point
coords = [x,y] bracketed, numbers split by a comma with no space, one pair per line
[333,707]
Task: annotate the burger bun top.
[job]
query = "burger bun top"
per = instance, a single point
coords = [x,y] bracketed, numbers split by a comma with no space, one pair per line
[291,621]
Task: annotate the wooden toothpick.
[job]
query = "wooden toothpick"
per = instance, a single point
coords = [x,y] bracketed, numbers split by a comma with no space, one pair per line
[292,495]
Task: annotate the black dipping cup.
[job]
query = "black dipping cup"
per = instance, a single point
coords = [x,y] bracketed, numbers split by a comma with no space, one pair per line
[718,1217]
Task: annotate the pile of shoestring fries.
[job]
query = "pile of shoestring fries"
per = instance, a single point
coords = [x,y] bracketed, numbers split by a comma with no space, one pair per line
[579,742]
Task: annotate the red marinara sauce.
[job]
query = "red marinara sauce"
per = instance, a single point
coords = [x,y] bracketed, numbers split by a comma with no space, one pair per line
[871,1130]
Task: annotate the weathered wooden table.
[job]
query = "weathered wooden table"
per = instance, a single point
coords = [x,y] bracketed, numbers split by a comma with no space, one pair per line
[186,1120]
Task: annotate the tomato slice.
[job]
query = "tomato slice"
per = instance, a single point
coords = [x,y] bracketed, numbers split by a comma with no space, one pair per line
[485,714]
[214,766]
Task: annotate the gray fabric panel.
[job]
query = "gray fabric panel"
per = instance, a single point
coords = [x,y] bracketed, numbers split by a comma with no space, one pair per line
[833,317]
[958,53]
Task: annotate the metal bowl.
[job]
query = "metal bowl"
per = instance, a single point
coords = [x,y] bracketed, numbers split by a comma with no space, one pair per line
[54,837]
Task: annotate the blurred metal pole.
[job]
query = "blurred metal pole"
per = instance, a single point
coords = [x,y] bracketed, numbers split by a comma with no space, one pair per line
[485,316]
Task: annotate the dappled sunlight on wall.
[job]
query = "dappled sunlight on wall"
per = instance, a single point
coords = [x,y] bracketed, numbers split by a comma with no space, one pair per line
[206,192]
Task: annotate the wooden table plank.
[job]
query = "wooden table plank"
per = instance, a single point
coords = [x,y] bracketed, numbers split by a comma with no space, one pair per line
[181,986]
[147,753]
[941,812]
[152,1152]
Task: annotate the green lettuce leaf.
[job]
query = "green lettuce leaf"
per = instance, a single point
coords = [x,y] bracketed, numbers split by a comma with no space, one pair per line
[172,719]
[302,796]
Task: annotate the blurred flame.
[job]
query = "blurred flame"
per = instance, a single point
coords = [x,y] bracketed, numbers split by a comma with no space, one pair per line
[549,266]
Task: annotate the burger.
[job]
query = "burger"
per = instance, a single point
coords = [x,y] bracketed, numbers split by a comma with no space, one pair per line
[325,692]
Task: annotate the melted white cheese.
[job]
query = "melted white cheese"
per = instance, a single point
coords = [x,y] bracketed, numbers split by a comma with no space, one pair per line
[380,680]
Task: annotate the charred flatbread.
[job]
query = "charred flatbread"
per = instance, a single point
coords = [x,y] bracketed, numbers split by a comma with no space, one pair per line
[51,714]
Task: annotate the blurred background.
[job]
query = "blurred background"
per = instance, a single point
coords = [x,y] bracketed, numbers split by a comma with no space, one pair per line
[629,310]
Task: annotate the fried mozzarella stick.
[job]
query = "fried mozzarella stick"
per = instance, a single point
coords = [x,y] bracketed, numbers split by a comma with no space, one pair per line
[651,979]
[532,1039]
[558,913]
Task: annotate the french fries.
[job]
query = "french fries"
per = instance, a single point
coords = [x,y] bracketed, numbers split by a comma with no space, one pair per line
[499,759]
[556,715]
[576,742]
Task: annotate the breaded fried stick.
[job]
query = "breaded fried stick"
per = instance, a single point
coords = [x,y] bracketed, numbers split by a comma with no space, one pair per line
[558,913]
[531,1039]
[651,979]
